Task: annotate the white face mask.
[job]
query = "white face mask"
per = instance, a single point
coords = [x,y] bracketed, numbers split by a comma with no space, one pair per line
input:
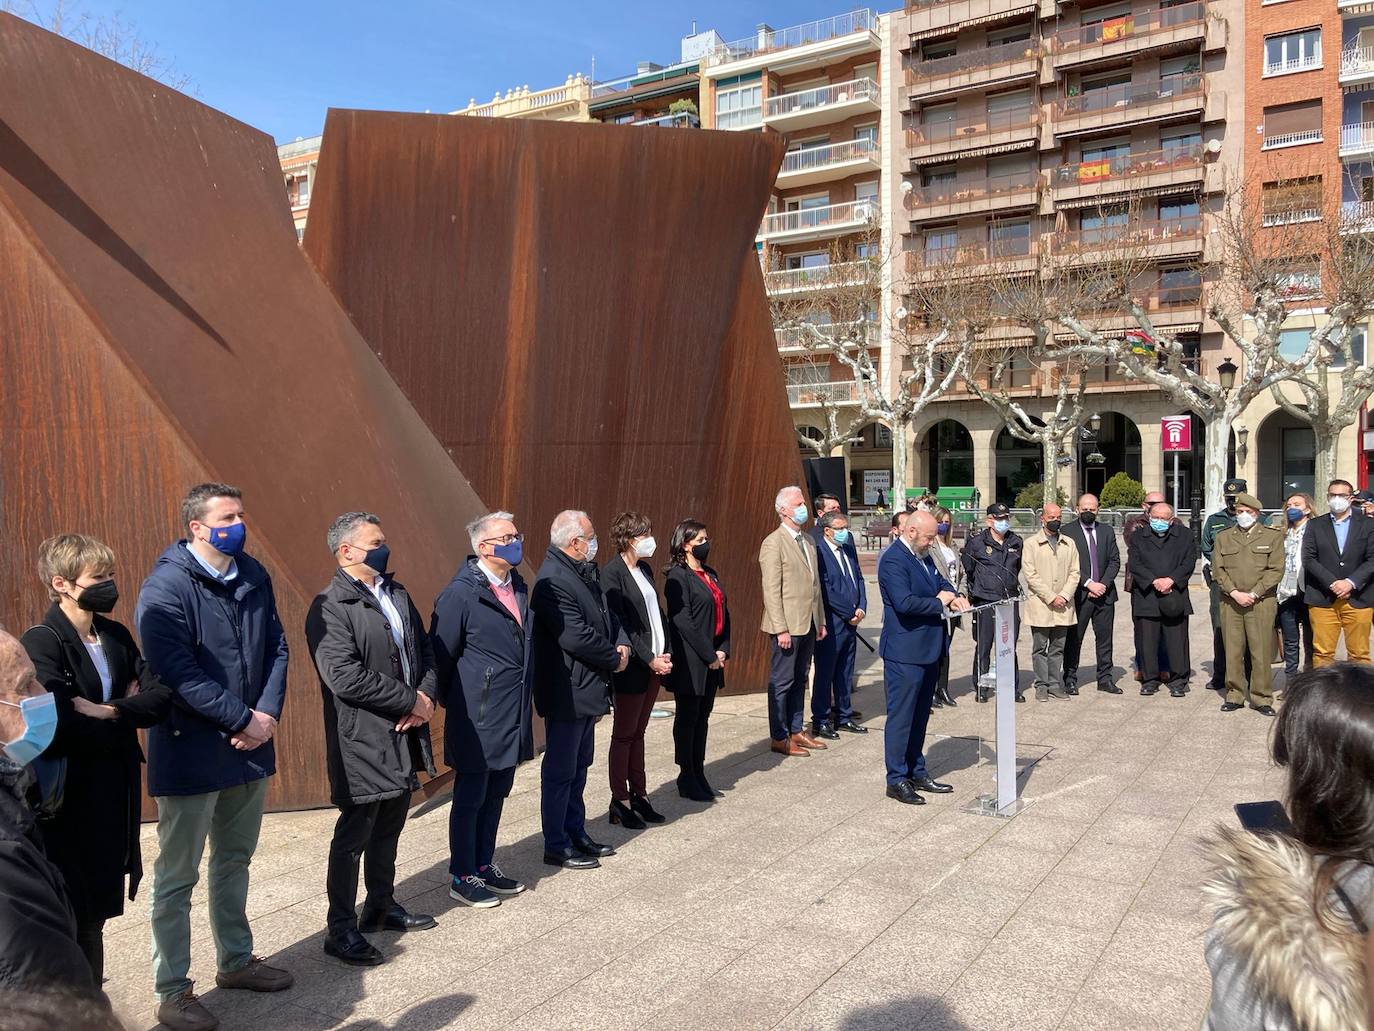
[1245,520]
[591,550]
[1338,505]
[645,548]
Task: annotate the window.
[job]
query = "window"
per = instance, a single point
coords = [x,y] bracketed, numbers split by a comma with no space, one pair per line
[1015,34]
[1293,342]
[1293,200]
[806,374]
[1300,284]
[1177,209]
[867,133]
[866,191]
[739,108]
[1292,52]
[931,50]
[941,245]
[820,200]
[1179,287]
[1009,239]
[932,114]
[935,175]
[1099,152]
[1356,350]
[1290,125]
[1180,142]
[820,259]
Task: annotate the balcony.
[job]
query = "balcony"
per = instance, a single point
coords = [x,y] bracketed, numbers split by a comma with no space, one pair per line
[1291,139]
[926,142]
[983,67]
[565,102]
[1139,238]
[824,277]
[681,120]
[967,197]
[815,43]
[1357,216]
[804,395]
[811,165]
[1134,33]
[925,16]
[1011,256]
[1146,100]
[1357,65]
[299,148]
[1357,140]
[1138,170]
[1173,308]
[818,223]
[788,112]
[794,340]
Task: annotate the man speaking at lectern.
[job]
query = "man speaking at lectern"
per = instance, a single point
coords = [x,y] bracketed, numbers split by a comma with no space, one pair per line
[912,645]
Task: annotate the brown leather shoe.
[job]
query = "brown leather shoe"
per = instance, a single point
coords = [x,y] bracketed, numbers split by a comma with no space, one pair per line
[787,747]
[256,976]
[807,741]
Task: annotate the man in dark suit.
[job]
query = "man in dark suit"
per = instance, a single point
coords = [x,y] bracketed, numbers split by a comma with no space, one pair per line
[913,644]
[1338,558]
[1162,557]
[577,646]
[846,600]
[1099,560]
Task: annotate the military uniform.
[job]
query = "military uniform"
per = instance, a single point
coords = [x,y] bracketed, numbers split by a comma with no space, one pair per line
[1251,561]
[1215,524]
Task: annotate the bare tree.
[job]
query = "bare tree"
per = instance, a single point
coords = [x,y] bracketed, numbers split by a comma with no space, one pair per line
[111,36]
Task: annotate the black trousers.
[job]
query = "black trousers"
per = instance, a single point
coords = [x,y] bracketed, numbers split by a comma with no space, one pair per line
[1294,622]
[1102,615]
[90,938]
[368,830]
[690,723]
[474,817]
[984,627]
[1174,634]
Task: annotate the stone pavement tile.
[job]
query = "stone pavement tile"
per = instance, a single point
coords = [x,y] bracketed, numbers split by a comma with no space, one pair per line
[740,920]
[1118,997]
[1166,946]
[721,1008]
[1134,830]
[1054,955]
[908,873]
[1062,898]
[1172,894]
[996,864]
[1153,802]
[856,916]
[1037,831]
[881,1007]
[911,955]
[987,999]
[1099,861]
[978,909]
[788,966]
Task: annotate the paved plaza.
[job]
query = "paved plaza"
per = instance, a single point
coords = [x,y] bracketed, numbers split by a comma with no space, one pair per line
[804,898]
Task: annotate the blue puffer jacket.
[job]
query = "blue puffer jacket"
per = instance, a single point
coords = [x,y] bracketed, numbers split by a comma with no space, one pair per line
[220,648]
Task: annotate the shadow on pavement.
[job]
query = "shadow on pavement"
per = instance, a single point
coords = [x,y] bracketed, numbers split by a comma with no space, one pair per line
[919,1011]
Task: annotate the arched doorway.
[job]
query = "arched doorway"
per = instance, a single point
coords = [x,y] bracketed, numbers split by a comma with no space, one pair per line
[1114,447]
[1288,458]
[948,448]
[1018,465]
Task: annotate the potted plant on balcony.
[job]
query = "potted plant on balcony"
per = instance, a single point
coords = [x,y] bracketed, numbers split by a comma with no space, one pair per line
[684,106]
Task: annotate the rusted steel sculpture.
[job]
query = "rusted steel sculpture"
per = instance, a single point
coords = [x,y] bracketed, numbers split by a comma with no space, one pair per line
[160,327]
[577,312]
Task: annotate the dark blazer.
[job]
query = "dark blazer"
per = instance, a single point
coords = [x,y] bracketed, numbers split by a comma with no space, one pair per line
[220,648]
[1324,564]
[575,639]
[913,617]
[1108,558]
[626,602]
[692,631]
[366,691]
[93,838]
[1173,555]
[483,660]
[994,570]
[842,597]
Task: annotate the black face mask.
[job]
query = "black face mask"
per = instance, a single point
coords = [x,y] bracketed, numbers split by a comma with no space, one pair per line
[700,551]
[101,597]
[1087,518]
[1052,525]
[377,559]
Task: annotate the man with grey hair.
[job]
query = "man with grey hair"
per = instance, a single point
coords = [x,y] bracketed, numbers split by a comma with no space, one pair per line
[577,645]
[377,678]
[1162,557]
[794,617]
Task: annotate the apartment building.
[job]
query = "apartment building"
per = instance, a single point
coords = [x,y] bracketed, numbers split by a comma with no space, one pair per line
[663,96]
[1042,129]
[298,161]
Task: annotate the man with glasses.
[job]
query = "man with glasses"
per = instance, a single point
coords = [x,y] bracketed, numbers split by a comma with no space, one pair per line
[481,632]
[577,646]
[1338,559]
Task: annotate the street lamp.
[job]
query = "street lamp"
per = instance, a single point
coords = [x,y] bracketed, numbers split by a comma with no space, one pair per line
[1226,373]
[1095,421]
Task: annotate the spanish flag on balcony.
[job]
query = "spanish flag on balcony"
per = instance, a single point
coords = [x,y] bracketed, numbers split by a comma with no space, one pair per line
[1091,171]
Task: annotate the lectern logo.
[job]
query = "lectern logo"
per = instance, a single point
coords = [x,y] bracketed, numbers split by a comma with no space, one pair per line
[1006,632]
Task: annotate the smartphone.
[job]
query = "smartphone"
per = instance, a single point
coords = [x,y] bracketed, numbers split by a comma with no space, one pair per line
[1263,816]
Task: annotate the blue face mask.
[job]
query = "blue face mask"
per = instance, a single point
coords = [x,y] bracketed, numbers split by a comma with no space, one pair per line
[514,552]
[1160,526]
[1001,525]
[228,539]
[40,724]
[841,537]
[799,515]
[942,529]
[1294,514]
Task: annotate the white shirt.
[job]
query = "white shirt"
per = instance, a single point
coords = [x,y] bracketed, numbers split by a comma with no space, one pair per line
[846,566]
[492,578]
[223,577]
[97,653]
[646,588]
[794,534]
[393,616]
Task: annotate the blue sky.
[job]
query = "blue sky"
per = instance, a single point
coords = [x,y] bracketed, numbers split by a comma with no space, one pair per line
[279,65]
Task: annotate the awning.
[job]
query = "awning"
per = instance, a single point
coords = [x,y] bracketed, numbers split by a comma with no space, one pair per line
[1152,191]
[968,23]
[1187,327]
[977,152]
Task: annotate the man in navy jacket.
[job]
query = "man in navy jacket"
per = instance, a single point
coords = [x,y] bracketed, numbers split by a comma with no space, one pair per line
[208,620]
[846,600]
[912,645]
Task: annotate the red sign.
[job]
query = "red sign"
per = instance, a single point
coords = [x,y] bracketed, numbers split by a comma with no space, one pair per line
[1176,432]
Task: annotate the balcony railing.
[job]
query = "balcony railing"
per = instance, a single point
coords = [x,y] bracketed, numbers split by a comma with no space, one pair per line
[965,253]
[521,100]
[945,131]
[967,191]
[821,97]
[1131,26]
[1291,139]
[296,148]
[1135,233]
[1133,94]
[629,82]
[816,277]
[972,60]
[773,40]
[842,392]
[1357,137]
[860,331]
[1297,64]
[680,120]
[1127,166]
[1357,216]
[1357,61]
[1156,299]
[809,159]
[854,211]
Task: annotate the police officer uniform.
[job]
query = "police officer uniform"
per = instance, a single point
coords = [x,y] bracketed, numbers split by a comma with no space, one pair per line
[994,570]
[1251,561]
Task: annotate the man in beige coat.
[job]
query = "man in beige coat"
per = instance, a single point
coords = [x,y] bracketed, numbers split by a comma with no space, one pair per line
[794,616]
[1050,566]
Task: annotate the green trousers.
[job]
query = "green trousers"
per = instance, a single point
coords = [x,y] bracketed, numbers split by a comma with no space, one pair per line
[230,821]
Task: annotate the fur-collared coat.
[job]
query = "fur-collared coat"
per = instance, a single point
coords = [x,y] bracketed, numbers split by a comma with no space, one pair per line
[1275,965]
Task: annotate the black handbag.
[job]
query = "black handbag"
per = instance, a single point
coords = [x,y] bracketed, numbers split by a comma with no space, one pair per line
[50,772]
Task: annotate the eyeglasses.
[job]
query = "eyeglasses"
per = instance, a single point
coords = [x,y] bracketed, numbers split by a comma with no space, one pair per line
[509,538]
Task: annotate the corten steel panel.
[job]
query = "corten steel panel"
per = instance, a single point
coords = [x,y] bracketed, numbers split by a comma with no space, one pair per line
[578,313]
[159,327]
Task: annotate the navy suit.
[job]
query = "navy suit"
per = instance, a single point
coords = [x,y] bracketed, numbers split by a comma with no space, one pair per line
[844,593]
[913,645]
